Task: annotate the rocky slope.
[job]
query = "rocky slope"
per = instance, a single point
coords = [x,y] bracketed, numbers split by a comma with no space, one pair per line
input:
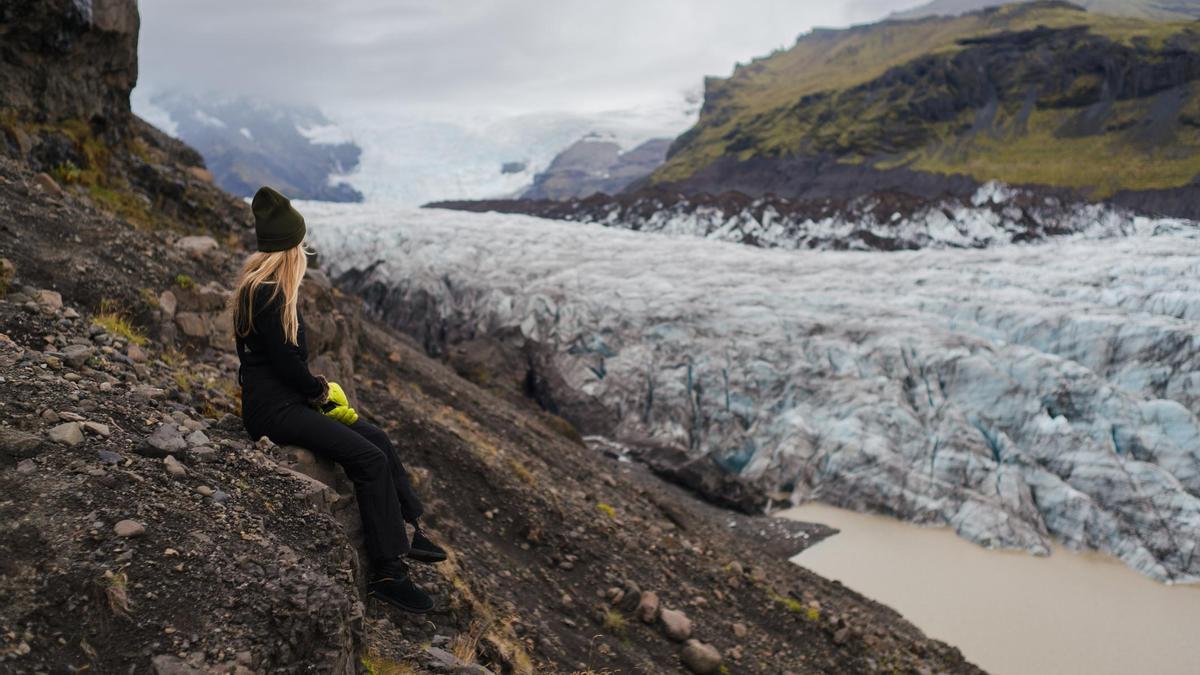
[144,533]
[1014,393]
[1040,93]
[591,165]
[248,143]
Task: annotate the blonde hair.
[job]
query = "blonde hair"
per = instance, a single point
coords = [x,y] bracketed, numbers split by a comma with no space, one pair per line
[284,270]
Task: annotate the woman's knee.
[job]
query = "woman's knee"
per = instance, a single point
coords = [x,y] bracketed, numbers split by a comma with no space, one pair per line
[372,433]
[366,462]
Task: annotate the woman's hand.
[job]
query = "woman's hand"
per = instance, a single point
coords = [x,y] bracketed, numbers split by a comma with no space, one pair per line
[338,406]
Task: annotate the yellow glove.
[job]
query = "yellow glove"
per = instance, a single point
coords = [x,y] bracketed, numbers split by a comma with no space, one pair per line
[338,406]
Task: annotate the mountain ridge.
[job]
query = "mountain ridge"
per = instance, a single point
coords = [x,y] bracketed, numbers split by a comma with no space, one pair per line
[1041,94]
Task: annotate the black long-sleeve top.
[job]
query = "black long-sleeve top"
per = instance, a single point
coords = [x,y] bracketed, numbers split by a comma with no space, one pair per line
[274,372]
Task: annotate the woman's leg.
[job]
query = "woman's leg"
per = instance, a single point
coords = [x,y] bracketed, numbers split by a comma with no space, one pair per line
[410,503]
[367,466]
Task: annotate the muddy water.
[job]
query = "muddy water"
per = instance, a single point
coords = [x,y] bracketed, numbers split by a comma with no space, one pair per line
[1008,612]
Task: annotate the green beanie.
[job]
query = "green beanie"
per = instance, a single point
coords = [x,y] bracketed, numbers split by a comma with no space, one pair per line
[278,225]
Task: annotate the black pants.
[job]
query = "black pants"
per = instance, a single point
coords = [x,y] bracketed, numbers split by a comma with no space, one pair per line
[386,498]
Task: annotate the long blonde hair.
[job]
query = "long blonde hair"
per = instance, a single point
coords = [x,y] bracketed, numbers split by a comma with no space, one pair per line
[284,270]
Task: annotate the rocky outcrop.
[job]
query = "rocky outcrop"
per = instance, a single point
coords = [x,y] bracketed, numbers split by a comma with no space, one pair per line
[69,60]
[1026,94]
[589,166]
[66,70]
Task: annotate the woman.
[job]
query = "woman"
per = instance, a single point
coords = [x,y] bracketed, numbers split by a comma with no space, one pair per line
[285,402]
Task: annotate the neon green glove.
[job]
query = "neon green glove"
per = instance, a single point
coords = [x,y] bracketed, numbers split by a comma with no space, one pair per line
[338,407]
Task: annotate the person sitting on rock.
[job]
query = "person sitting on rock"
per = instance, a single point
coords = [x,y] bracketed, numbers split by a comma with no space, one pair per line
[285,402]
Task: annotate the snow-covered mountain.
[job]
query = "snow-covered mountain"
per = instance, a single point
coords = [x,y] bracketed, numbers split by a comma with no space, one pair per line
[1015,393]
[248,143]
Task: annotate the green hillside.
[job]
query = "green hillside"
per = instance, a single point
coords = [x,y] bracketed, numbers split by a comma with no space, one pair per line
[1158,10]
[1042,93]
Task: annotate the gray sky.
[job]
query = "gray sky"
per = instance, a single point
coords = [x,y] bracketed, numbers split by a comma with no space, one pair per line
[517,55]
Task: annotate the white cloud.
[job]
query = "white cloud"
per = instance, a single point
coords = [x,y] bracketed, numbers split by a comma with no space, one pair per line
[518,55]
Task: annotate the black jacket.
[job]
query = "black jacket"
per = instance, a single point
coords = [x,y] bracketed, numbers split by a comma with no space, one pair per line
[274,373]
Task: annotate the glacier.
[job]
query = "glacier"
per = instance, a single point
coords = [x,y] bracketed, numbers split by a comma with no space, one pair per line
[1018,393]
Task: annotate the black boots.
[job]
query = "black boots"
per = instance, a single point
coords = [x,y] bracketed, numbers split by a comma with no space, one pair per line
[423,550]
[393,585]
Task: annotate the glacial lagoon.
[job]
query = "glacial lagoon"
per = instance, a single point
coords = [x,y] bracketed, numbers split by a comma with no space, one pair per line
[1010,612]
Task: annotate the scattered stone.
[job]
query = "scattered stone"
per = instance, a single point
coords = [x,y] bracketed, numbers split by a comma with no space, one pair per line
[47,298]
[204,454]
[192,324]
[44,182]
[175,468]
[220,496]
[164,441]
[841,635]
[75,356]
[167,302]
[700,658]
[26,466]
[136,353]
[205,490]
[19,445]
[196,245]
[110,457]
[97,428]
[129,528]
[647,609]
[676,624]
[739,630]
[145,391]
[197,438]
[67,433]
[442,660]
[165,664]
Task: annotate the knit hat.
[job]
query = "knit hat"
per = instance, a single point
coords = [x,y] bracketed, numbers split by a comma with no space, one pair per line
[277,225]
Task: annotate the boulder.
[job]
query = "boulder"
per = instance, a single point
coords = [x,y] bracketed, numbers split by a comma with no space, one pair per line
[48,298]
[167,303]
[17,445]
[75,356]
[165,440]
[196,245]
[129,528]
[67,433]
[192,324]
[45,183]
[700,658]
[97,428]
[647,609]
[175,468]
[676,624]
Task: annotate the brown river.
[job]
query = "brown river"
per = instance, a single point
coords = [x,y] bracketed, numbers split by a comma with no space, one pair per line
[1009,612]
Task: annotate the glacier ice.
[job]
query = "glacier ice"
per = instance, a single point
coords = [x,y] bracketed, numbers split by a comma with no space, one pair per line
[1015,393]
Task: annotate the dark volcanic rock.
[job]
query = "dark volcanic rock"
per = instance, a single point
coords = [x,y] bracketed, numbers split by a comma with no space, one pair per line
[68,59]
[589,166]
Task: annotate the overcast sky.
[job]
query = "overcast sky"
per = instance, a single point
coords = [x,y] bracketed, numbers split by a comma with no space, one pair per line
[516,55]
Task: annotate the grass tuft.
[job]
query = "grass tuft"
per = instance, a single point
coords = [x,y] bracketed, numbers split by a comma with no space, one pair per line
[115,323]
